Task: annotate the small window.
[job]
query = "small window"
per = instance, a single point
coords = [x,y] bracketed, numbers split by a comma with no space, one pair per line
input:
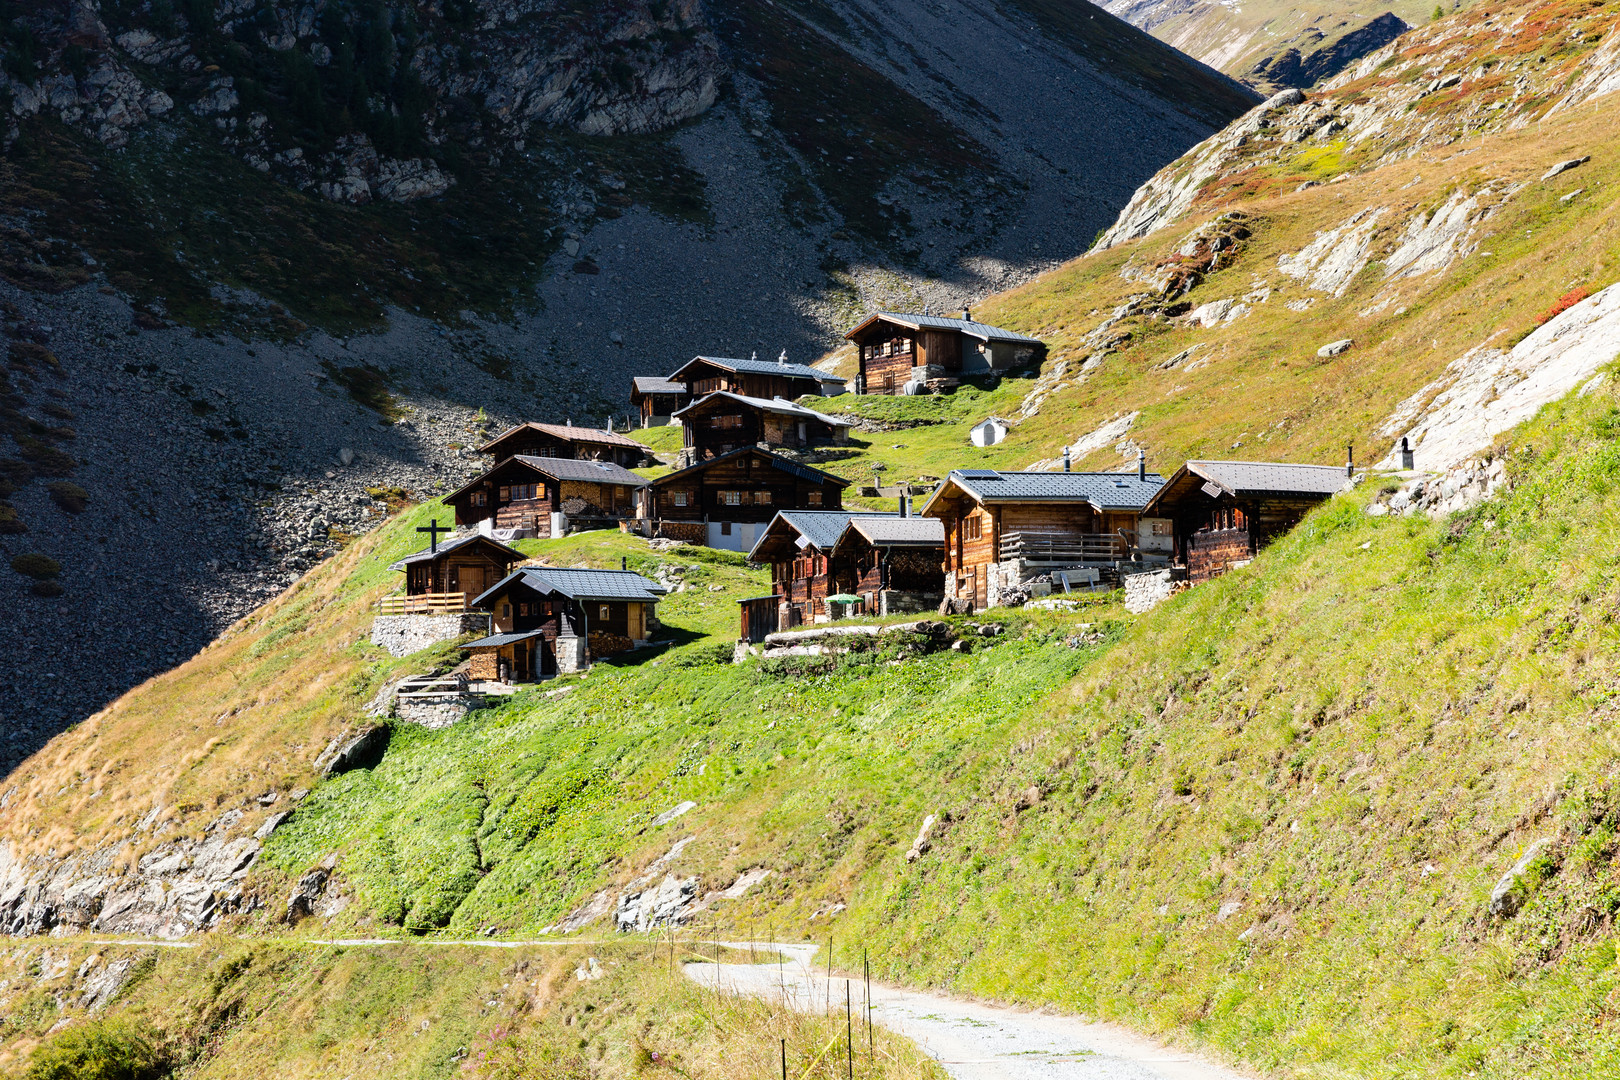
[762,498]
[604,615]
[506,611]
[505,493]
[480,498]
[815,498]
[725,528]
[731,498]
[974,526]
[677,498]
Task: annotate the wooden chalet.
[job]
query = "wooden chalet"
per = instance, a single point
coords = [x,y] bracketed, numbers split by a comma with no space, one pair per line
[756,378]
[825,563]
[723,502]
[720,422]
[1221,513]
[907,353]
[521,495]
[550,620]
[896,562]
[566,441]
[441,579]
[655,400]
[1004,528]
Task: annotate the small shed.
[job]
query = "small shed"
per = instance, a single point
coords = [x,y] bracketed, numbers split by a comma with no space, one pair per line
[723,421]
[900,348]
[502,658]
[441,579]
[988,432]
[566,441]
[657,399]
[571,616]
[1221,513]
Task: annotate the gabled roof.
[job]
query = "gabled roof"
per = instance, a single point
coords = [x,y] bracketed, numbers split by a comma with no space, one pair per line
[884,530]
[427,554]
[793,468]
[654,384]
[593,472]
[566,432]
[1101,490]
[579,584]
[501,639]
[1251,479]
[778,405]
[761,367]
[1264,477]
[982,331]
[820,529]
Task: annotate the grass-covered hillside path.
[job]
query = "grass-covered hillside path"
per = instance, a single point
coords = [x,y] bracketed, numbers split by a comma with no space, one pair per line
[971,1040]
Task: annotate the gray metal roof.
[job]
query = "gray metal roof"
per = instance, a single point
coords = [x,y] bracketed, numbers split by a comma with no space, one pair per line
[821,528]
[891,530]
[427,554]
[1103,490]
[591,472]
[566,432]
[793,468]
[763,367]
[580,584]
[982,331]
[775,405]
[655,384]
[1266,477]
[500,639]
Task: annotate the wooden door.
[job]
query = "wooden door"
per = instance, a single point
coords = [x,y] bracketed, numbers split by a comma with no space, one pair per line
[473,582]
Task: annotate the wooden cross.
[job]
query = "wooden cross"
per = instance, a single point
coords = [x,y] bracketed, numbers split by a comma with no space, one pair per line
[433,530]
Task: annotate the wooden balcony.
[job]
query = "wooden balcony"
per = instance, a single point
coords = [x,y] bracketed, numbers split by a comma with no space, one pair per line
[1063,549]
[449,603]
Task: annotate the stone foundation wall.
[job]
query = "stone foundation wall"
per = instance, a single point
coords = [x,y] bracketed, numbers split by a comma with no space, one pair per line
[898,602]
[438,711]
[1143,592]
[403,635]
[573,655]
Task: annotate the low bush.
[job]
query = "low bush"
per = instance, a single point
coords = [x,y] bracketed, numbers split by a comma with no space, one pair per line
[70,497]
[36,566]
[99,1050]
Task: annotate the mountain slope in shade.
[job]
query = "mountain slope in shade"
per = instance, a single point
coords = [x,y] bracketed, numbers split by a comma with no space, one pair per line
[295,258]
[1271,45]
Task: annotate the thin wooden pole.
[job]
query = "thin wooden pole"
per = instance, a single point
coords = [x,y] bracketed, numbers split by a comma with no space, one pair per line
[866,964]
[829,974]
[849,1034]
[784,1059]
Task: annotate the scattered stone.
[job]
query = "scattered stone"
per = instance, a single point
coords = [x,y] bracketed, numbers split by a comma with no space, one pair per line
[1507,898]
[588,971]
[1334,348]
[671,814]
[1564,167]
[920,846]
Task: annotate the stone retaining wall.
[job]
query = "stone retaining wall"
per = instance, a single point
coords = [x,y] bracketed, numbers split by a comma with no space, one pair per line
[436,711]
[403,635]
[1143,592]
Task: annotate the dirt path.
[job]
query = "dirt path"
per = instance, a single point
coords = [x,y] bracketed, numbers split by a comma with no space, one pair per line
[972,1041]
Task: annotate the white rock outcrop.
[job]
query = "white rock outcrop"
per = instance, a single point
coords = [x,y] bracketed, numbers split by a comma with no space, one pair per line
[1486,391]
[1330,262]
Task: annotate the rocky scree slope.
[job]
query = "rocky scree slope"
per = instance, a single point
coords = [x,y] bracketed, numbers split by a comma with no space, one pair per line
[285,255]
[1272,46]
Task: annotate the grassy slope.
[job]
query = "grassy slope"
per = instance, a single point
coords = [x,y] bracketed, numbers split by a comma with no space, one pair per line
[231,1009]
[1264,393]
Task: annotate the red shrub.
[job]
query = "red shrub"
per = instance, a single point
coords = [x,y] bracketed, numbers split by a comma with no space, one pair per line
[1565,302]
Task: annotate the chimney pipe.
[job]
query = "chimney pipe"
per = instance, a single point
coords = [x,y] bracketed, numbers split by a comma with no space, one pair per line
[905,505]
[1141,464]
[1350,460]
[1065,459]
[624,562]
[967,314]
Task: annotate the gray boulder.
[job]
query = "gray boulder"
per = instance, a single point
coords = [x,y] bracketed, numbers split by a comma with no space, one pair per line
[1508,896]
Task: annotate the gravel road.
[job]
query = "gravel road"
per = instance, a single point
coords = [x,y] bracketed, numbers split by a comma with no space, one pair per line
[973,1041]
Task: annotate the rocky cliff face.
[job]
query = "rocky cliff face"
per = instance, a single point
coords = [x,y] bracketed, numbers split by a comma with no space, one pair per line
[306,92]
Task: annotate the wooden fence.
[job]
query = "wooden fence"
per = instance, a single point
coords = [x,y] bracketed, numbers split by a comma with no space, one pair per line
[449,603]
[1063,549]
